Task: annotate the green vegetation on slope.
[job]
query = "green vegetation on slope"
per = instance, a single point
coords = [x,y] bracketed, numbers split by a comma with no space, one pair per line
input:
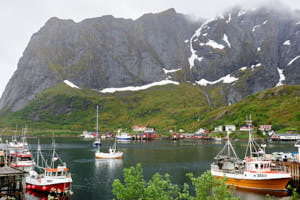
[278,106]
[162,107]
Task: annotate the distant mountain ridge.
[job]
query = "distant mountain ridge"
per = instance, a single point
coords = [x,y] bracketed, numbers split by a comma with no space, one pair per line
[240,53]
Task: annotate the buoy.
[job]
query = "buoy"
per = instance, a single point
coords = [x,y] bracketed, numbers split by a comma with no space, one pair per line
[44,188]
[29,187]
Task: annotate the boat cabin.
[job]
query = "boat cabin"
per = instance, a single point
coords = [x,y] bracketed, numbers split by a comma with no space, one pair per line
[59,171]
[258,165]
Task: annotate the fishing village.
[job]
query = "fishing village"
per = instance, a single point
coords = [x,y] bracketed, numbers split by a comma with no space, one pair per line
[23,172]
[150,100]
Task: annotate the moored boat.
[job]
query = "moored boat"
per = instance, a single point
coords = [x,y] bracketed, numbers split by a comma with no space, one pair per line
[123,136]
[112,153]
[253,172]
[24,161]
[52,177]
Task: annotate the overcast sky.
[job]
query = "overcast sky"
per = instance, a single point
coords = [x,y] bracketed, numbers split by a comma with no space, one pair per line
[19,19]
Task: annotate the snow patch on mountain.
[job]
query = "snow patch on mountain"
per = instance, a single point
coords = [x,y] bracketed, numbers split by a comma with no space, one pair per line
[229,18]
[213,44]
[243,68]
[255,27]
[287,43]
[166,71]
[293,60]
[225,38]
[254,66]
[137,88]
[72,85]
[281,77]
[225,79]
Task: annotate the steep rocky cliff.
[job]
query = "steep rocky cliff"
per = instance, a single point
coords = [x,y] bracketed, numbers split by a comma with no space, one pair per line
[99,53]
[250,50]
[241,52]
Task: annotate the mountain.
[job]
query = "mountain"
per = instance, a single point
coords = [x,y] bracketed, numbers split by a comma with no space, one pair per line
[254,49]
[166,107]
[99,53]
[230,57]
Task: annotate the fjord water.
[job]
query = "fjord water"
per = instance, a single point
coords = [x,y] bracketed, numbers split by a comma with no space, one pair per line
[92,179]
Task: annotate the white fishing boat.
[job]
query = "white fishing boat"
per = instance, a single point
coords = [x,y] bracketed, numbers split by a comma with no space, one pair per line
[23,161]
[49,177]
[122,136]
[112,153]
[97,141]
[253,172]
[14,144]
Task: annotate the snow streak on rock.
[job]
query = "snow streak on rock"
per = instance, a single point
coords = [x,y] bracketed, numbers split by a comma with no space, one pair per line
[72,85]
[225,79]
[281,77]
[293,60]
[137,88]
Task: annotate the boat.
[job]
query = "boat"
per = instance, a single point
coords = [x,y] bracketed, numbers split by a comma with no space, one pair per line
[97,141]
[23,160]
[14,144]
[87,135]
[112,153]
[254,172]
[123,136]
[48,178]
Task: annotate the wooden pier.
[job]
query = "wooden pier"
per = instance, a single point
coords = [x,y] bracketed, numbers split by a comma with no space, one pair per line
[292,167]
[11,182]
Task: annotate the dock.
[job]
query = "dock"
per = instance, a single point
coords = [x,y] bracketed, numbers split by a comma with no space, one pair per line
[292,167]
[11,182]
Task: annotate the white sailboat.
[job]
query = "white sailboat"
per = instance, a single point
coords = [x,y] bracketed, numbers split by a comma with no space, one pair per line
[112,153]
[97,141]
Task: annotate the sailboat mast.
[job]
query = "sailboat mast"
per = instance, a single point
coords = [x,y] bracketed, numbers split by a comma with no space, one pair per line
[38,153]
[97,123]
[53,153]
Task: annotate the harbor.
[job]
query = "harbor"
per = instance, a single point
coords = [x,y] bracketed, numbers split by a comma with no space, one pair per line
[163,156]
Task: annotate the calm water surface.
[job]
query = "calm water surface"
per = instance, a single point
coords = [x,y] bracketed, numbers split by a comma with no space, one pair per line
[92,179]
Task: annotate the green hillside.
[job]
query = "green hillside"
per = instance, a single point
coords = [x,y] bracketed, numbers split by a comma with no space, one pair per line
[278,106]
[162,107]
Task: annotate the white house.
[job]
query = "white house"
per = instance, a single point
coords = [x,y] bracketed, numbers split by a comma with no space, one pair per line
[265,127]
[139,128]
[219,128]
[230,128]
[149,130]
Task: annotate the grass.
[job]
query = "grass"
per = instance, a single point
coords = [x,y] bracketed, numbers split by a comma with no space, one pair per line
[163,107]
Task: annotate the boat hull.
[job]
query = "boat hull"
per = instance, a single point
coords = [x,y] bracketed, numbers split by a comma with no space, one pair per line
[48,188]
[123,138]
[118,155]
[268,184]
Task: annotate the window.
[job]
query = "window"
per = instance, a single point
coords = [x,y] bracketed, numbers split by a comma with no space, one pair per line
[256,166]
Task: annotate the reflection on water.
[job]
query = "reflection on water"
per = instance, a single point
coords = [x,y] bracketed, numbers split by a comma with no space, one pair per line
[108,164]
[249,194]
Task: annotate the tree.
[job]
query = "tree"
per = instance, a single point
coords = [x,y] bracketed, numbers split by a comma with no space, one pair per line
[159,187]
